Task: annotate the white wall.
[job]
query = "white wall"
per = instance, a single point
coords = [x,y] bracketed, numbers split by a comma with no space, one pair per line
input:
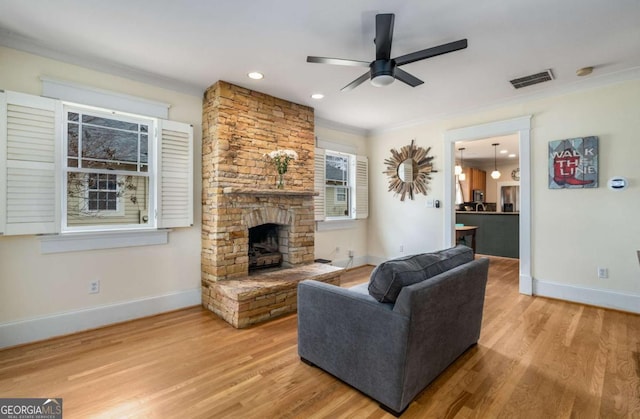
[409,225]
[35,286]
[573,231]
[355,237]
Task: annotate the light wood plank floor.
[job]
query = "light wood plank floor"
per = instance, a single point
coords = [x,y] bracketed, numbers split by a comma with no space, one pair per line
[537,358]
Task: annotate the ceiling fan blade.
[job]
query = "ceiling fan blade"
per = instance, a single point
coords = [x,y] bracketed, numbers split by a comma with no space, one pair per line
[384,35]
[337,61]
[431,52]
[407,78]
[357,82]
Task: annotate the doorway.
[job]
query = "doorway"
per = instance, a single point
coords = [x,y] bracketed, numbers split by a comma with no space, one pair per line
[517,126]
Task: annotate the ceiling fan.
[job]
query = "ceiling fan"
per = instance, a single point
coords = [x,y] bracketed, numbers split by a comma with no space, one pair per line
[384,69]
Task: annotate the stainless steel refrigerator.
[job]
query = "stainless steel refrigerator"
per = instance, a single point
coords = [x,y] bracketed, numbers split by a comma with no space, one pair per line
[510,198]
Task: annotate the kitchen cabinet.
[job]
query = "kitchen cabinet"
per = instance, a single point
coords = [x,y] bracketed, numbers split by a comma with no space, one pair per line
[476,179]
[497,234]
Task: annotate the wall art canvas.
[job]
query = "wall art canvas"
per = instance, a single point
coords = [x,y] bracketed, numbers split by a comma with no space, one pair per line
[573,163]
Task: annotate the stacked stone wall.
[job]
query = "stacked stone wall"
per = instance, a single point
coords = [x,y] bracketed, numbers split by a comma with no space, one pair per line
[240,126]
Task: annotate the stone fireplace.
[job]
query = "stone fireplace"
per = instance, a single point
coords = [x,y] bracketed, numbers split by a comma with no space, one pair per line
[239,193]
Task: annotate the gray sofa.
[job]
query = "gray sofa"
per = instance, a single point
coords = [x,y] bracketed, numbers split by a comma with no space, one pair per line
[391,337]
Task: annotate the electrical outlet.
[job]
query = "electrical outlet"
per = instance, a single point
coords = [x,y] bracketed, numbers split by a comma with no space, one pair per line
[603,273]
[351,254]
[94,287]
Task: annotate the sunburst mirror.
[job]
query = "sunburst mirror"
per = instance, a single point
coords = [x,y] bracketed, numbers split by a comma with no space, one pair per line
[409,170]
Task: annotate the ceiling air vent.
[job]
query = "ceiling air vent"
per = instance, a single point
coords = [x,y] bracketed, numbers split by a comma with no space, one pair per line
[532,79]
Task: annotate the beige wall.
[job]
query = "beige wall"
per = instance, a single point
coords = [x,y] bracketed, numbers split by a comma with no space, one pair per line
[573,231]
[354,238]
[34,285]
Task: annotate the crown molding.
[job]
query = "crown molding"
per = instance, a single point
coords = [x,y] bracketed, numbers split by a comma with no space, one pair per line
[18,42]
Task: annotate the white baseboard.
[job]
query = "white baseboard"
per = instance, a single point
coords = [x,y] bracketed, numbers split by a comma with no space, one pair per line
[31,330]
[525,285]
[346,263]
[591,296]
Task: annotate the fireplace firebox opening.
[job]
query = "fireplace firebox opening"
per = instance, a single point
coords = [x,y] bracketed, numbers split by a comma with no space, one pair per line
[264,247]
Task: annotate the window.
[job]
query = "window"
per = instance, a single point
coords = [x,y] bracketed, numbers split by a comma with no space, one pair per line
[107,172]
[341,183]
[72,168]
[102,193]
[337,185]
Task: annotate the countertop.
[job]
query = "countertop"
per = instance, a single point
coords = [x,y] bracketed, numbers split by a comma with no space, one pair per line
[488,212]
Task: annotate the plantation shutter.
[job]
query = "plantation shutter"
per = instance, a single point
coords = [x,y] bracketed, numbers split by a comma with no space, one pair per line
[362,188]
[175,174]
[319,185]
[29,150]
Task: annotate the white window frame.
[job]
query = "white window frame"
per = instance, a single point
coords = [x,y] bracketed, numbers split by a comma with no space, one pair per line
[341,196]
[358,180]
[348,186]
[150,173]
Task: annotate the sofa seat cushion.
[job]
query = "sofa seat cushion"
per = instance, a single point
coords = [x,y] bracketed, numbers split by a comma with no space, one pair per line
[388,278]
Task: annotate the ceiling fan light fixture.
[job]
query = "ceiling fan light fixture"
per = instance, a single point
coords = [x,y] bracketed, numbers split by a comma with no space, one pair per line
[382,80]
[382,72]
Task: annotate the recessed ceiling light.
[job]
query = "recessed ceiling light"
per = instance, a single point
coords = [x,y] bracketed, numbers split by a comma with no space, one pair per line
[255,75]
[504,151]
[317,96]
[512,155]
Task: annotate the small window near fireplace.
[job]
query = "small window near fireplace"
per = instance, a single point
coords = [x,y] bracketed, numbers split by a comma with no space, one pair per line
[264,250]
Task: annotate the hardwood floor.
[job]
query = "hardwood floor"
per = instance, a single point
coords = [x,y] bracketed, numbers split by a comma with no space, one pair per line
[537,358]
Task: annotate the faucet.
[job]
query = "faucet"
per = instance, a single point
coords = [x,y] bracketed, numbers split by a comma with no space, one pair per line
[480,205]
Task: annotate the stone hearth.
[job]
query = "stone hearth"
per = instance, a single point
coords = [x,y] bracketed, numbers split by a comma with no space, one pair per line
[258,298]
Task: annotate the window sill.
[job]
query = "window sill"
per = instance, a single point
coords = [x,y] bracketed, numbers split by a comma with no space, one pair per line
[74,242]
[329,225]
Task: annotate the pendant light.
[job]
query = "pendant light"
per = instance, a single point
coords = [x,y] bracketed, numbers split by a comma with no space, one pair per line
[459,168]
[495,174]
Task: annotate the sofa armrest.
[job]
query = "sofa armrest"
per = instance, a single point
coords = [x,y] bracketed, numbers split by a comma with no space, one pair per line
[355,338]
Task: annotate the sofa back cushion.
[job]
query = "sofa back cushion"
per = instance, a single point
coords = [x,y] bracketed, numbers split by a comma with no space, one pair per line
[388,278]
